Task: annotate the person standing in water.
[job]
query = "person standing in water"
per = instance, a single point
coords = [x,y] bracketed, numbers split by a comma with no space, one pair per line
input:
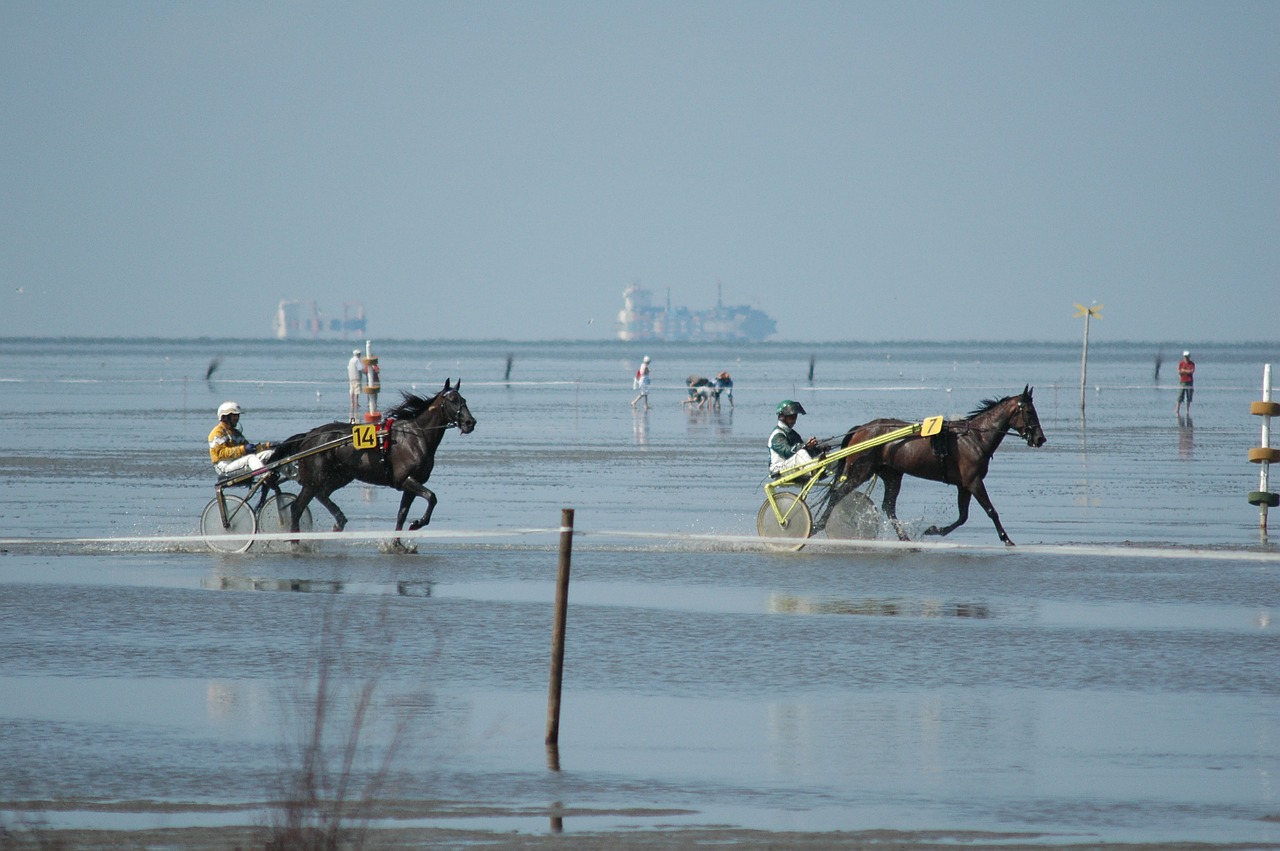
[355,368]
[1186,382]
[641,383]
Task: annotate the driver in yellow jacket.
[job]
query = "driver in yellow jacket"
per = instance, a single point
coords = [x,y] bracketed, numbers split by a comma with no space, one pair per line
[229,450]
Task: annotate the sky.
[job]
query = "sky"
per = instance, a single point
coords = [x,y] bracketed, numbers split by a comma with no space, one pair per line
[504,170]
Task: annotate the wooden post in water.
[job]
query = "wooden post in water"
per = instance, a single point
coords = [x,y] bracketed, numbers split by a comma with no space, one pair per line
[1094,309]
[557,633]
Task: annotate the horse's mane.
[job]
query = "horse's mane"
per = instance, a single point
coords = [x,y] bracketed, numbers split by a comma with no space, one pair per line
[411,405]
[986,405]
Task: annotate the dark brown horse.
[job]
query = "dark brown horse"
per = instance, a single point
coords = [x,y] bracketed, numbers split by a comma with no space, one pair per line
[417,426]
[959,456]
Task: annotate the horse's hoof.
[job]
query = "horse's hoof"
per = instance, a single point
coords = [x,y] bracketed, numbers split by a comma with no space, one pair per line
[932,530]
[336,528]
[414,526]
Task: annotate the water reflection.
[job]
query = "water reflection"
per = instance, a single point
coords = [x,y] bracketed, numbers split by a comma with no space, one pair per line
[719,421]
[248,583]
[640,426]
[1186,437]
[876,607]
[1084,497]
[419,588]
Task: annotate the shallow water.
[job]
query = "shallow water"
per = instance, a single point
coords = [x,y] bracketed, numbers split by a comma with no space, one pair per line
[1120,690]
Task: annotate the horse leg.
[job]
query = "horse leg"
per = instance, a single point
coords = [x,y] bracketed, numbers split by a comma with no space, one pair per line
[270,485]
[962,502]
[836,492]
[849,475]
[892,484]
[298,506]
[985,501]
[339,519]
[412,489]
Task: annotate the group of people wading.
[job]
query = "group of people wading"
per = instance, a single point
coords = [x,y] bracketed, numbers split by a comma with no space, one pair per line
[703,392]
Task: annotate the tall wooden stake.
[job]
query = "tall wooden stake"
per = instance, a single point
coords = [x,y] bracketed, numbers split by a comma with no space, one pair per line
[557,634]
[1094,309]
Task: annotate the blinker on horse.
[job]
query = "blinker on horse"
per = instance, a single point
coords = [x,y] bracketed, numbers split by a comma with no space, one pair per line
[417,426]
[959,455]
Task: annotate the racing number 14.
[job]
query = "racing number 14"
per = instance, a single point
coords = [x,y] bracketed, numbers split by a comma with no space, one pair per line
[364,436]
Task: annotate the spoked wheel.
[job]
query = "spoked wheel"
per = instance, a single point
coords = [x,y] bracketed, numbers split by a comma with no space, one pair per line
[797,520]
[855,516]
[275,514]
[240,522]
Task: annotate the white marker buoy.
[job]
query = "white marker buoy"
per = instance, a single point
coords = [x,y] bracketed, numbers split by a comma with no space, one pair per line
[1264,454]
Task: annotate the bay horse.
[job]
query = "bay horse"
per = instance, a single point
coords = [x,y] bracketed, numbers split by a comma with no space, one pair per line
[416,427]
[959,455]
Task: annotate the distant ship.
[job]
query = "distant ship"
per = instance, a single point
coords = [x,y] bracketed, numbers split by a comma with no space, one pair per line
[303,319]
[641,319]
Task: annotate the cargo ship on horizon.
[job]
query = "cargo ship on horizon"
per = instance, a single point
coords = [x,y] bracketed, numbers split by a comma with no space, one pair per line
[641,319]
[304,319]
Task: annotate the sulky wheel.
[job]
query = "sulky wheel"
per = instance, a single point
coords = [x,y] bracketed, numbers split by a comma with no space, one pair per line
[240,523]
[798,523]
[275,514]
[855,516]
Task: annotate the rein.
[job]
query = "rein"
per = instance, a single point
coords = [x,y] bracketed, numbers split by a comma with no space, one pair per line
[420,429]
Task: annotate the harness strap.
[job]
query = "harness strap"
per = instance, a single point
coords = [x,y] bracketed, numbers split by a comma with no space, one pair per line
[384,444]
[941,451]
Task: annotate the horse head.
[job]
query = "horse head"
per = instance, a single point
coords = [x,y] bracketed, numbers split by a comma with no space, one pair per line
[454,408]
[1025,421]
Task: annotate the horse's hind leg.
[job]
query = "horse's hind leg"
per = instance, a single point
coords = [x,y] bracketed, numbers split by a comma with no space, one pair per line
[339,519]
[892,484]
[270,485]
[299,505]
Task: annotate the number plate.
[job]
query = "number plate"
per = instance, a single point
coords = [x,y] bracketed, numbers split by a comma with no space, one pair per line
[364,436]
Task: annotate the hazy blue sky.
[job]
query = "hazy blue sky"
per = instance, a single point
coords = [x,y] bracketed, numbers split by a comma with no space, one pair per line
[954,170]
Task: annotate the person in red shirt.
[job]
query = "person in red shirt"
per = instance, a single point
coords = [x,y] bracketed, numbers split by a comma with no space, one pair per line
[1186,380]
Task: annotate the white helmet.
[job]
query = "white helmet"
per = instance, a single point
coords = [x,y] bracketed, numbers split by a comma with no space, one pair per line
[228,408]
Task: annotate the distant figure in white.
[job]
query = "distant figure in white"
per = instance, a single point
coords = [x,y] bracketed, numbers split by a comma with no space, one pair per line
[641,383]
[354,370]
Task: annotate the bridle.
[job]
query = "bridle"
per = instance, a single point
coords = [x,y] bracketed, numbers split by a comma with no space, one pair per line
[452,413]
[1023,429]
[1027,429]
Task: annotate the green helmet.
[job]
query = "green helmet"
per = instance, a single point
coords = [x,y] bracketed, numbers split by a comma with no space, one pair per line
[787,407]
